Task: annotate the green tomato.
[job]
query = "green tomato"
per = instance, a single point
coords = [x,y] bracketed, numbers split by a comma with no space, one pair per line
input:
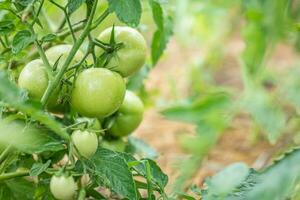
[128,117]
[34,79]
[98,92]
[132,56]
[61,52]
[86,142]
[63,187]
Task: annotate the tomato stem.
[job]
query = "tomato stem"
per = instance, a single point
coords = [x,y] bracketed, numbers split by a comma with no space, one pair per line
[11,175]
[53,84]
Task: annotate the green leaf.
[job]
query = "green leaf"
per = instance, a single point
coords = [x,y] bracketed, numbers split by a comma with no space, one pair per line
[110,168]
[160,178]
[39,168]
[27,138]
[276,182]
[265,112]
[140,147]
[158,14]
[13,96]
[16,189]
[73,5]
[211,113]
[128,11]
[163,33]
[160,40]
[21,40]
[6,26]
[224,182]
[49,37]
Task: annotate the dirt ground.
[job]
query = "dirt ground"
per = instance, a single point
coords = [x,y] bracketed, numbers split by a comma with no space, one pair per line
[235,145]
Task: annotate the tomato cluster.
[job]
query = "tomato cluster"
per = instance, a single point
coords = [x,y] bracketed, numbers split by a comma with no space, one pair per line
[96,92]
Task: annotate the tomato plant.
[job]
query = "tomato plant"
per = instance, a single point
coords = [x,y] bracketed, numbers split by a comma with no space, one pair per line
[59,85]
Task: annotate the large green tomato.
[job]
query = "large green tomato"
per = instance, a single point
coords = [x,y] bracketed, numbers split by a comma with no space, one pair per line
[128,117]
[132,56]
[34,79]
[61,52]
[98,92]
[63,187]
[86,142]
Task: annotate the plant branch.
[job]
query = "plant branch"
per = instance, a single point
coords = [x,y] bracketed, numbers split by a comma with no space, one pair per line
[66,18]
[42,55]
[11,175]
[53,84]
[5,153]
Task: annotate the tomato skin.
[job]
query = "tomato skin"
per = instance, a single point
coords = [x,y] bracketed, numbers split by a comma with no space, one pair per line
[63,187]
[129,116]
[132,56]
[98,92]
[61,52]
[34,79]
[86,142]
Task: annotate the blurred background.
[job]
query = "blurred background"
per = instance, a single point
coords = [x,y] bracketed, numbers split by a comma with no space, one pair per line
[227,88]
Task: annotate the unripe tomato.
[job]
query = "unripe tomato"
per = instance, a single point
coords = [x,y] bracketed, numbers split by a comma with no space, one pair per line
[86,142]
[129,116]
[132,56]
[61,52]
[63,187]
[98,92]
[34,79]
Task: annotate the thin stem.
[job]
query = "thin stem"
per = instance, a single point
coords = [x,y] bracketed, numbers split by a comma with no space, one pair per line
[53,84]
[148,177]
[42,55]
[11,175]
[5,153]
[38,13]
[3,43]
[66,17]
[82,194]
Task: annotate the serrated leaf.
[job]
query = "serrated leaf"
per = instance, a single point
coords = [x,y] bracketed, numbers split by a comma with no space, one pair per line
[224,182]
[128,11]
[112,169]
[73,5]
[39,168]
[273,183]
[48,38]
[21,40]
